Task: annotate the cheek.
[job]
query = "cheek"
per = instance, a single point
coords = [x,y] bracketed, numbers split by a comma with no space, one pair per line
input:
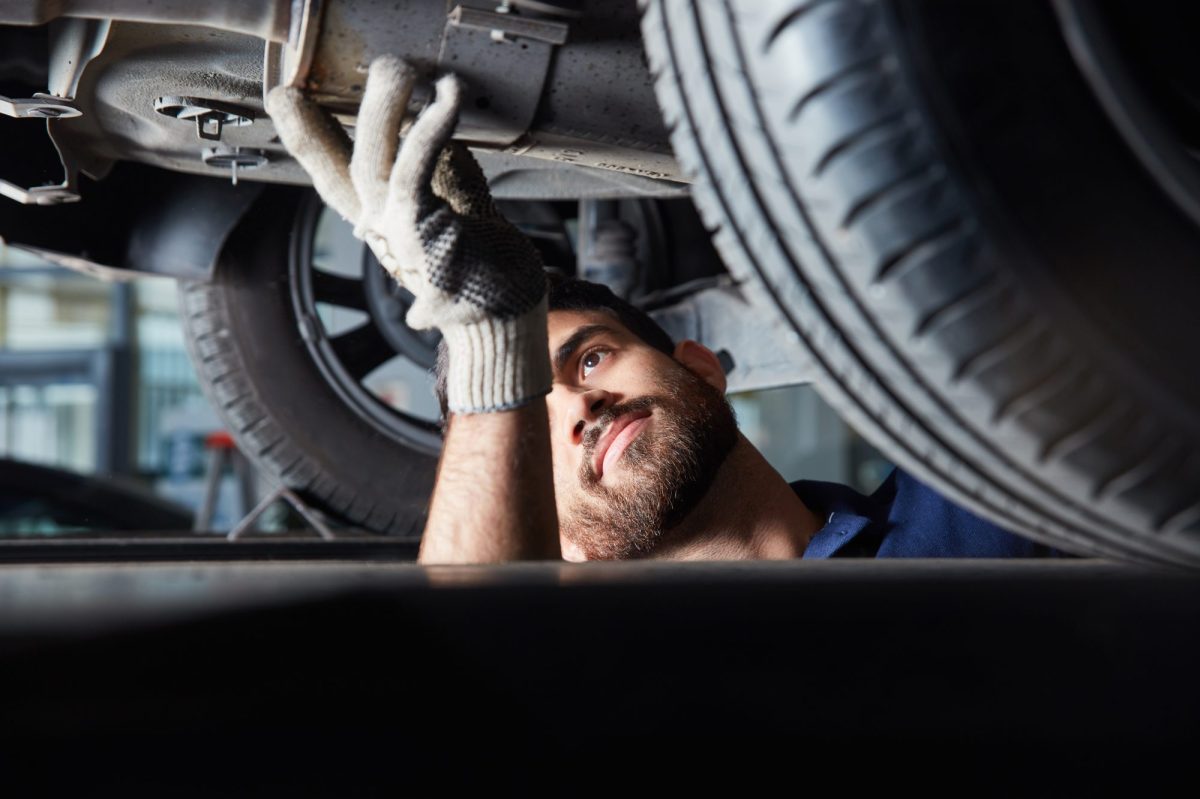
[630,375]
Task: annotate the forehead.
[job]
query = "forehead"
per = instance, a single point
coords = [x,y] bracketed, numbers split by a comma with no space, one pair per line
[561,324]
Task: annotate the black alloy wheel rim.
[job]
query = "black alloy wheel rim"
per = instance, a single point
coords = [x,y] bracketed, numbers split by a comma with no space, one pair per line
[346,359]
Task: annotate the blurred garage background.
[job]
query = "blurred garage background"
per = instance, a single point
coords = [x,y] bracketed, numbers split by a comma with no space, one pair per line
[95,380]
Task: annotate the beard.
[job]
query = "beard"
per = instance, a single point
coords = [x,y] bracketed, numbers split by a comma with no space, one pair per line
[666,470]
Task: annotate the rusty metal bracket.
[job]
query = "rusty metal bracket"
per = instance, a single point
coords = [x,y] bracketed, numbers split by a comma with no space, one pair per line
[504,59]
[533,91]
[295,56]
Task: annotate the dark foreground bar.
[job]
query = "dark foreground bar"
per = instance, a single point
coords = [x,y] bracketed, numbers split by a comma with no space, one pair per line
[350,679]
[174,547]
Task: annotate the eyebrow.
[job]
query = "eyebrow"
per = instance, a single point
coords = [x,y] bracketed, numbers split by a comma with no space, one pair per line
[575,341]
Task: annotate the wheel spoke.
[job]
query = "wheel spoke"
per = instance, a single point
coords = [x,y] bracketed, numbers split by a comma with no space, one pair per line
[344,292]
[362,350]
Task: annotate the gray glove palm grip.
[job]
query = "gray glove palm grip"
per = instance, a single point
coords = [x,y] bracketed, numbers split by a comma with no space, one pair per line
[424,208]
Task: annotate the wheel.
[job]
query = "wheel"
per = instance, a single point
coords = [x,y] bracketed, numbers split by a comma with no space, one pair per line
[300,344]
[993,287]
[290,341]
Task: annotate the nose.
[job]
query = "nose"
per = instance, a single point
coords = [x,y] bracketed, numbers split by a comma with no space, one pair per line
[585,408]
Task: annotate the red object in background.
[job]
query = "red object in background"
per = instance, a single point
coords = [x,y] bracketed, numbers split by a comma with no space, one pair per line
[219,440]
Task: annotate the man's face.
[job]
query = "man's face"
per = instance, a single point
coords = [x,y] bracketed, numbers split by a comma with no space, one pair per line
[637,436]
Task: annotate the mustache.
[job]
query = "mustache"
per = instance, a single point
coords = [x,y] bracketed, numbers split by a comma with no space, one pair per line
[591,436]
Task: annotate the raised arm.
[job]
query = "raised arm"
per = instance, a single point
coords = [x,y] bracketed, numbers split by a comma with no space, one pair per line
[424,209]
[494,498]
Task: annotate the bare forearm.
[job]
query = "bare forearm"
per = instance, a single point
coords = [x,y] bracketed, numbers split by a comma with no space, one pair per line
[494,498]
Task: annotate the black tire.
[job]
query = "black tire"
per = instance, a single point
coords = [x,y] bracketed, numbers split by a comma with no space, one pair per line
[259,373]
[914,185]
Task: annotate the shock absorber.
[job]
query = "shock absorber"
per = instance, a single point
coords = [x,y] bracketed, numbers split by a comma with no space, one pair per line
[607,247]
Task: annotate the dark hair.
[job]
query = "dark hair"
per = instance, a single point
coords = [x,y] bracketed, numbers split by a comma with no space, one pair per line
[572,294]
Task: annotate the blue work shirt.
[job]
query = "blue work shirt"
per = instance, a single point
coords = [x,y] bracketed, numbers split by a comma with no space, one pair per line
[904,519]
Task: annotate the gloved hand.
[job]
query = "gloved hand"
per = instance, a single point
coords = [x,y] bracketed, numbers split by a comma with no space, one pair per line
[427,214]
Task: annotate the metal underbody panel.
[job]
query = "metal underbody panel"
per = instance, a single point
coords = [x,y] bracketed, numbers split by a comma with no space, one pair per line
[558,106]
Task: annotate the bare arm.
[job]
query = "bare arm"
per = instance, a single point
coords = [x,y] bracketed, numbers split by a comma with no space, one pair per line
[494,499]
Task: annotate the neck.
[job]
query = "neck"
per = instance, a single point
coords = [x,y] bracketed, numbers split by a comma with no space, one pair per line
[749,513]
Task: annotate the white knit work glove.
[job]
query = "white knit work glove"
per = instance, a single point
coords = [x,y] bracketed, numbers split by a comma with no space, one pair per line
[427,214]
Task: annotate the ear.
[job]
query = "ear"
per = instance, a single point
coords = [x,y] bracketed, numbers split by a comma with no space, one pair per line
[702,362]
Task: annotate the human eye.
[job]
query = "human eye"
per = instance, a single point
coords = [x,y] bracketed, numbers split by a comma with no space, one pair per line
[591,360]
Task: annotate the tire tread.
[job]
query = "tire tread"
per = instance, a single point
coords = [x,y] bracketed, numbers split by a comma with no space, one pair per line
[883,370]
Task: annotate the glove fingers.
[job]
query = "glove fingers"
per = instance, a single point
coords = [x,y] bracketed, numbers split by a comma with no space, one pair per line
[377,137]
[421,316]
[459,180]
[419,153]
[318,142]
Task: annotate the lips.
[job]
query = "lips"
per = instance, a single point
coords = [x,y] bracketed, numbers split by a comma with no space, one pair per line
[623,430]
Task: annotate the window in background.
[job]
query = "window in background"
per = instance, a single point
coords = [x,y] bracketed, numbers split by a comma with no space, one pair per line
[802,437]
[95,379]
[51,424]
[53,327]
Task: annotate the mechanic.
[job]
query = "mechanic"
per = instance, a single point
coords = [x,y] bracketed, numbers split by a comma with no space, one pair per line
[574,426]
